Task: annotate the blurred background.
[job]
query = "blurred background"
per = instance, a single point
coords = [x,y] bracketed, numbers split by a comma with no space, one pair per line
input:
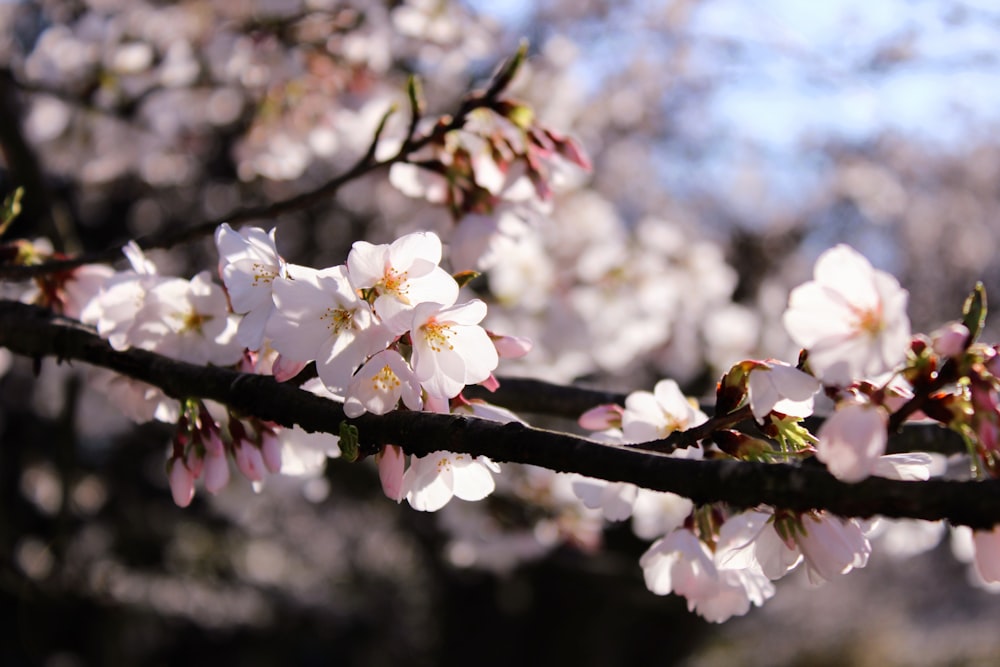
[731,144]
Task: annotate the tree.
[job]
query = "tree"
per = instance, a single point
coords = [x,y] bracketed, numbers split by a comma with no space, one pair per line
[490,174]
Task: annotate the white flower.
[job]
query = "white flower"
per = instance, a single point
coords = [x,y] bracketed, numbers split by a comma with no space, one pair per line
[749,540]
[380,383]
[852,440]
[682,564]
[783,388]
[614,499]
[831,546]
[851,317]
[304,454]
[403,275]
[248,264]
[187,320]
[137,400]
[652,416]
[679,563]
[319,316]
[431,481]
[449,349]
[113,310]
[657,513]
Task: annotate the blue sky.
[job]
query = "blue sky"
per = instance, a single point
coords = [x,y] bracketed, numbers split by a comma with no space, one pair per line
[803,67]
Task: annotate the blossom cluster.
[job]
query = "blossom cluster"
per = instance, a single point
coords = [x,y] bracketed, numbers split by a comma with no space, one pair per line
[861,365]
[386,330]
[382,329]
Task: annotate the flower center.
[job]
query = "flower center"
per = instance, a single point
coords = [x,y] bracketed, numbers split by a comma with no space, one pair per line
[193,321]
[338,319]
[385,380]
[262,274]
[395,283]
[869,321]
[437,335]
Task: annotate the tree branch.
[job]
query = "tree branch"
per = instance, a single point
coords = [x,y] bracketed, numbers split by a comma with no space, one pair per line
[35,332]
[364,165]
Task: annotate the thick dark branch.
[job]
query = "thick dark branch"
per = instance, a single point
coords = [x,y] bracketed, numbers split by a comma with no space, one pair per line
[34,332]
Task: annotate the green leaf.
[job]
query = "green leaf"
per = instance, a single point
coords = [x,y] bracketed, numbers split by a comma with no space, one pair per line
[349,442]
[974,312]
[10,209]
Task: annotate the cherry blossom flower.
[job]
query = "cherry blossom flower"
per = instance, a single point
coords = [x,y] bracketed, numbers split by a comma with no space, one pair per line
[831,546]
[139,401]
[248,264]
[614,499]
[780,387]
[678,563]
[652,416]
[851,440]
[449,349]
[319,316]
[304,454]
[187,320]
[682,564]
[657,513]
[431,481]
[851,317]
[378,386]
[113,310]
[403,274]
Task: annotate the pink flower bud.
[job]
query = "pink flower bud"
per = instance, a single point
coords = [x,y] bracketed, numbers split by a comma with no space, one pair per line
[181,483]
[216,472]
[391,462]
[986,433]
[602,417]
[270,450]
[194,462]
[249,461]
[511,347]
[950,340]
[993,363]
[213,443]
